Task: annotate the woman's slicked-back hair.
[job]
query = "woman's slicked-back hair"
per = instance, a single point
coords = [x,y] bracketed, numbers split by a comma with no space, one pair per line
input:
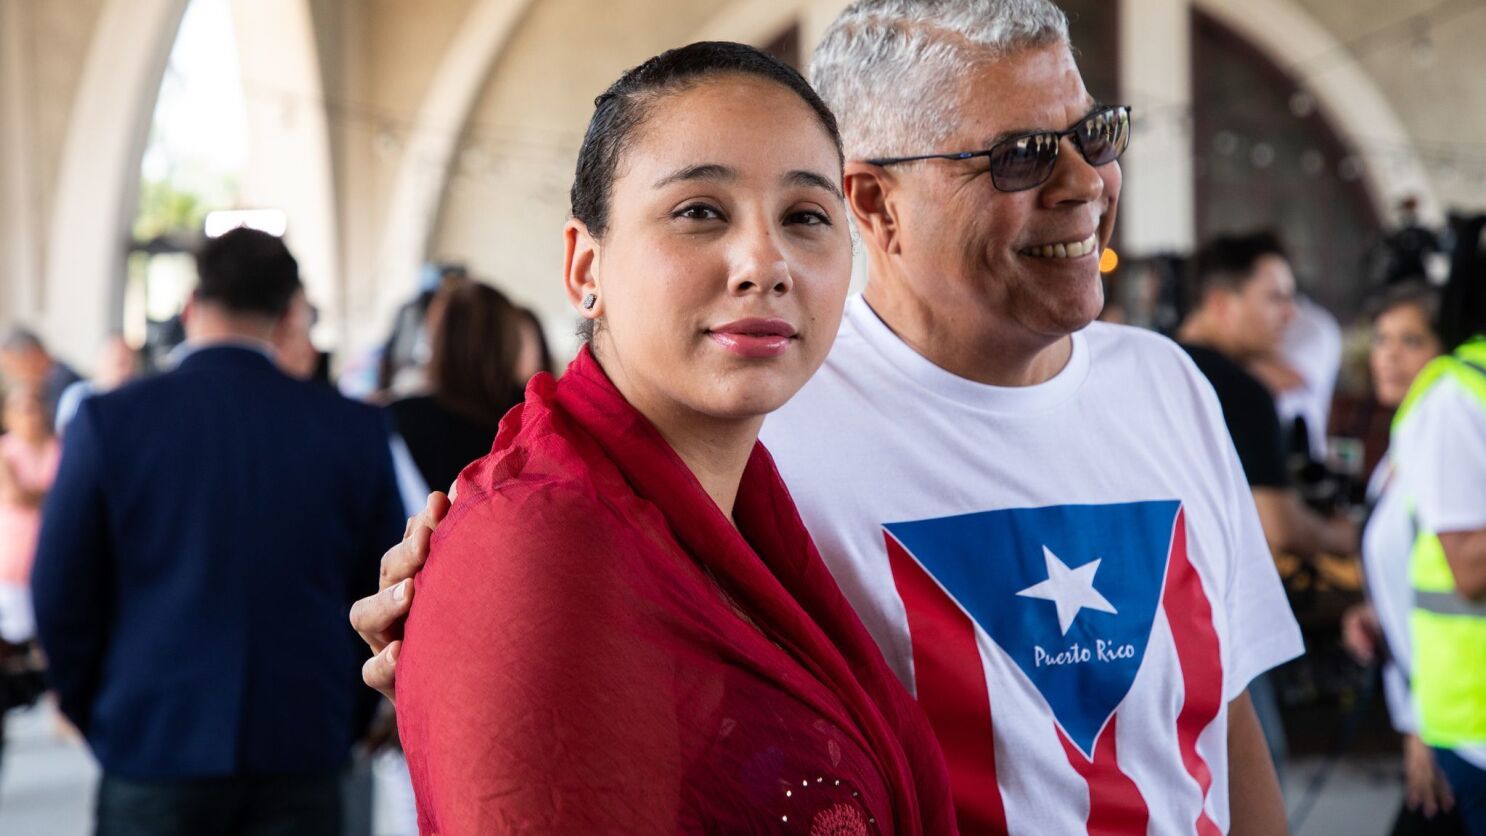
[623,108]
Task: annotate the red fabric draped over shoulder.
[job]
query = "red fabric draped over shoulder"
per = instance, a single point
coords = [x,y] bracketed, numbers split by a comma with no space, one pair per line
[594,648]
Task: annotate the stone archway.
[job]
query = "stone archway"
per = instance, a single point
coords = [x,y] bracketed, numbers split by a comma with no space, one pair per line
[424,171]
[97,184]
[1344,92]
[290,164]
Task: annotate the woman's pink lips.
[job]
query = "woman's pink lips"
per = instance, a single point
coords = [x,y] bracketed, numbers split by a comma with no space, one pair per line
[754,338]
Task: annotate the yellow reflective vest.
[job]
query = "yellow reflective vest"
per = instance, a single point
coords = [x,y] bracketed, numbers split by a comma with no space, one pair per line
[1449,631]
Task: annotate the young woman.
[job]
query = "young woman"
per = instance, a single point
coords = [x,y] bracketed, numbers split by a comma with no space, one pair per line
[1404,342]
[623,626]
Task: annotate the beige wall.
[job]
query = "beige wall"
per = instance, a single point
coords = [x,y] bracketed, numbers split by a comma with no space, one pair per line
[1442,105]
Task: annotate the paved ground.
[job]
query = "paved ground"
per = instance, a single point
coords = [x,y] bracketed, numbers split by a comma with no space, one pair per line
[46,785]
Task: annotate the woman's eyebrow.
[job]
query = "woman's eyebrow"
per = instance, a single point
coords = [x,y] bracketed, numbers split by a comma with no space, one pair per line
[810,178]
[705,171]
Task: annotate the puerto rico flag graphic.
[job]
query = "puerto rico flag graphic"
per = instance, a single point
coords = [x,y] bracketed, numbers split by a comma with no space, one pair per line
[1060,604]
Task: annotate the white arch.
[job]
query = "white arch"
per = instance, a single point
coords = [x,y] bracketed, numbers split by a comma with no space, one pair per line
[290,163]
[1345,93]
[98,179]
[424,169]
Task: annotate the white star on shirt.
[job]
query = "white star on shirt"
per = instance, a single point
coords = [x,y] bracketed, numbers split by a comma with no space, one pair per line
[1070,589]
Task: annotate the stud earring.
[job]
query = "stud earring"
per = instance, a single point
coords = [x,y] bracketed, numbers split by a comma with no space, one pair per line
[589,301]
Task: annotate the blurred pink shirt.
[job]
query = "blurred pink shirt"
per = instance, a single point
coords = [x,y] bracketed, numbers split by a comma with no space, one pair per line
[34,468]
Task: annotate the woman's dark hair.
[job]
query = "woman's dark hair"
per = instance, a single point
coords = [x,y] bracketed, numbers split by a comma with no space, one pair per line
[1418,294]
[530,318]
[623,108]
[476,341]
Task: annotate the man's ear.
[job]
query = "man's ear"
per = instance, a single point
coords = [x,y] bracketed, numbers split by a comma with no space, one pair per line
[870,193]
[580,269]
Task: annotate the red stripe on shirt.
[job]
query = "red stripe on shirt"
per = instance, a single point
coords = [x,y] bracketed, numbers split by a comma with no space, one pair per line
[1190,615]
[1116,807]
[951,685]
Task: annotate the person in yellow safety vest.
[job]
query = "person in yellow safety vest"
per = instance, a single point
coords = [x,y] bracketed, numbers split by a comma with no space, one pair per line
[1376,631]
[1439,436]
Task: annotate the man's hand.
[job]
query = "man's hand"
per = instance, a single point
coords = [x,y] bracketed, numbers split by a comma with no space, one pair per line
[378,618]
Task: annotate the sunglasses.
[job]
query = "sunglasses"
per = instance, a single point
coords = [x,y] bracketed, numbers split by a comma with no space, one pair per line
[1026,161]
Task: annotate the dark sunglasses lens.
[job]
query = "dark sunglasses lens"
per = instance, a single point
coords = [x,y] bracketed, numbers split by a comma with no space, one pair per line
[1024,162]
[1103,136]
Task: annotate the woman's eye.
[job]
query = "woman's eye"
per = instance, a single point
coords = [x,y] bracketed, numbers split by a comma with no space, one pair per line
[809,218]
[699,212]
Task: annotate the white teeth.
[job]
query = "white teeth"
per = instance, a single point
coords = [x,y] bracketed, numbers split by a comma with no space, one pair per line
[1077,249]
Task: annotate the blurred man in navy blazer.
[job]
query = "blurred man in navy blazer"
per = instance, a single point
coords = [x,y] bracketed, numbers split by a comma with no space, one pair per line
[199,552]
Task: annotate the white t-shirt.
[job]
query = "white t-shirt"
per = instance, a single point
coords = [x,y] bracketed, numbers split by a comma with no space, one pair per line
[1440,448]
[1071,577]
[1440,451]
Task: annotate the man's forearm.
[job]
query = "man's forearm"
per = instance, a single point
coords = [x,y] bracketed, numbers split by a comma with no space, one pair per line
[1292,528]
[1254,801]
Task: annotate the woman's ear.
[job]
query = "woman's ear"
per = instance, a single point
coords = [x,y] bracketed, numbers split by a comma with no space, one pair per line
[870,196]
[580,269]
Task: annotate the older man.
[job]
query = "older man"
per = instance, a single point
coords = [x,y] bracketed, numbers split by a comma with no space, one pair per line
[1041,521]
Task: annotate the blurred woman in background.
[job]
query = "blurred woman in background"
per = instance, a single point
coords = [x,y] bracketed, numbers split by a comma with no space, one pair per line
[29,453]
[484,351]
[1404,342]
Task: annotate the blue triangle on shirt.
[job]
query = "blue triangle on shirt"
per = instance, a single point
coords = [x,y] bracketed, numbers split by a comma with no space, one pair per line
[983,560]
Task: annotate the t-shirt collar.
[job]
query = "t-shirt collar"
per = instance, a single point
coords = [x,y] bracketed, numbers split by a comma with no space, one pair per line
[945,384]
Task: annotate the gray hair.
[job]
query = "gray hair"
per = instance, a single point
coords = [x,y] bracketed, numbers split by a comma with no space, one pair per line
[886,67]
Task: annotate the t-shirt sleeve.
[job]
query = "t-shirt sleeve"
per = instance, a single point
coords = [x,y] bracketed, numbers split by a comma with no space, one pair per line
[1262,632]
[529,697]
[1442,459]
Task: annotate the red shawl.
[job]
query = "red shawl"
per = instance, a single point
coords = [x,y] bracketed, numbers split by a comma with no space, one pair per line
[593,648]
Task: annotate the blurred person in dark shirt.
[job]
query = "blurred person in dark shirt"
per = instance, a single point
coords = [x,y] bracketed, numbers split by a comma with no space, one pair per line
[484,349]
[1244,299]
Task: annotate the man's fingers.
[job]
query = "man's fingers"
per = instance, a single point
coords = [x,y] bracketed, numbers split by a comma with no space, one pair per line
[404,559]
[436,507]
[380,671]
[375,617]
